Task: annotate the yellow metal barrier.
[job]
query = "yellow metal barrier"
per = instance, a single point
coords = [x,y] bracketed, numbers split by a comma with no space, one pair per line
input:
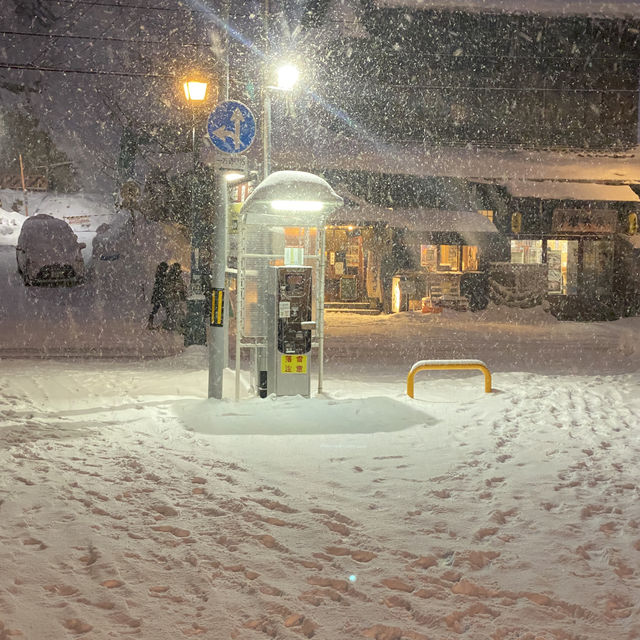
[423,365]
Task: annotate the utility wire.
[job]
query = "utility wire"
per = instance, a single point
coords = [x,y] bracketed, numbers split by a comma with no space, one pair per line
[126,74]
[132,74]
[117,5]
[102,38]
[103,32]
[453,87]
[75,15]
[207,46]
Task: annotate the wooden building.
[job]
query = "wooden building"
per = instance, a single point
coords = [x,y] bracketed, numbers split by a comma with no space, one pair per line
[392,258]
[586,235]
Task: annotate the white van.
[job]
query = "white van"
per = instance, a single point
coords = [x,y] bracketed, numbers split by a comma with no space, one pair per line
[48,252]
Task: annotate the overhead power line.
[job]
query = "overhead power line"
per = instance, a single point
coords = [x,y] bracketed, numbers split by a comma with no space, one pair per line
[143,7]
[95,72]
[134,74]
[118,5]
[103,38]
[453,87]
[208,46]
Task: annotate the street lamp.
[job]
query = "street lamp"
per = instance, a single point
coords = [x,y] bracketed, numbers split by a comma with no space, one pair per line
[195,91]
[286,76]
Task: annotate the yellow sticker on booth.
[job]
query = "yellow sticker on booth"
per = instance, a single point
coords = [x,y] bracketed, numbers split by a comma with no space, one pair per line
[293,364]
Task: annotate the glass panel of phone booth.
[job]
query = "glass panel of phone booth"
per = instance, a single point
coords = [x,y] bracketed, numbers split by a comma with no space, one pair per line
[264,249]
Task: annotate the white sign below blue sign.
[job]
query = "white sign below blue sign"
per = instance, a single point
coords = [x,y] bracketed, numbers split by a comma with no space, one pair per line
[231,127]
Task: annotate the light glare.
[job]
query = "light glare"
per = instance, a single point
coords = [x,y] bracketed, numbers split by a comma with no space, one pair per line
[231,175]
[287,75]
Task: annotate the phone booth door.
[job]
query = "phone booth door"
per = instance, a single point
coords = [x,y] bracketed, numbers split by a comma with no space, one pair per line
[289,371]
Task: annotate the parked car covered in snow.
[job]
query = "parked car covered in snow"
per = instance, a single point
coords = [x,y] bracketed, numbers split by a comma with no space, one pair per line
[48,252]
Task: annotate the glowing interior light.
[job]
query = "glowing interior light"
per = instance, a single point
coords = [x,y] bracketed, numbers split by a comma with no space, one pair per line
[397,297]
[195,90]
[296,205]
[287,75]
[233,176]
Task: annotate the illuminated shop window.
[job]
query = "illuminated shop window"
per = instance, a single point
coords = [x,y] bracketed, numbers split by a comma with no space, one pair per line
[429,256]
[449,257]
[526,251]
[449,254]
[487,213]
[469,258]
[396,300]
[562,263]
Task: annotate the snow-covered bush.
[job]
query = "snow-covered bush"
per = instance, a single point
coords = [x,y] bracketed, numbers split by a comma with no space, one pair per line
[517,285]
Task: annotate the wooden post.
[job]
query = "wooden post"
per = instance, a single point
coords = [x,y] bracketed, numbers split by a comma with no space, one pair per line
[24,188]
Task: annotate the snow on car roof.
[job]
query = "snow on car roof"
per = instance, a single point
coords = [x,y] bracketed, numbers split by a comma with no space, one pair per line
[42,231]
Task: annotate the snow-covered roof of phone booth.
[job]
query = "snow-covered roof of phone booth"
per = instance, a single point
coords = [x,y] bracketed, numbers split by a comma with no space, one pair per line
[290,186]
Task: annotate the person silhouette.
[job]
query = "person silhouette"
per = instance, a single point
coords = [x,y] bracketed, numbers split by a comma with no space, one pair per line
[175,297]
[159,293]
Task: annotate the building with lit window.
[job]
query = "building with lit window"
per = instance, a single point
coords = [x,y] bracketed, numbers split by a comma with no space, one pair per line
[583,239]
[463,111]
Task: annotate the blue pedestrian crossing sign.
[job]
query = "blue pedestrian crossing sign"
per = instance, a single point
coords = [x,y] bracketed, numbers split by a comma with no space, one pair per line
[231,127]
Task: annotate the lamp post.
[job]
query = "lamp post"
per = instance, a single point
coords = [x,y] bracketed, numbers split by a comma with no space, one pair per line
[286,75]
[195,91]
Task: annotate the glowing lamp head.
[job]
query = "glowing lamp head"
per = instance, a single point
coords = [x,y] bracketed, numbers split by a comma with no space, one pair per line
[195,91]
[287,76]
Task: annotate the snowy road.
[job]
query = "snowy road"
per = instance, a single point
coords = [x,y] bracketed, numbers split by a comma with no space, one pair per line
[128,506]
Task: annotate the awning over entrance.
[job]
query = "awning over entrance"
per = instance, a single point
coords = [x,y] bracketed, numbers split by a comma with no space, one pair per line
[571,191]
[430,220]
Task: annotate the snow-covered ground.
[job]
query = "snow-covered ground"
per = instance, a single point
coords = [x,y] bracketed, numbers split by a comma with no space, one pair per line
[130,504]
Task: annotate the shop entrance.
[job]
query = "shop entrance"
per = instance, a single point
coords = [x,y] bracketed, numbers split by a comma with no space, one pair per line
[345,275]
[580,274]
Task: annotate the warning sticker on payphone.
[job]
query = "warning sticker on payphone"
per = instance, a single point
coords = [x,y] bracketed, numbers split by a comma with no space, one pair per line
[293,364]
[284,309]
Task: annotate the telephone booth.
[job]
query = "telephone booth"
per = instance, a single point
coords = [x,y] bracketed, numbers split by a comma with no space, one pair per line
[280,283]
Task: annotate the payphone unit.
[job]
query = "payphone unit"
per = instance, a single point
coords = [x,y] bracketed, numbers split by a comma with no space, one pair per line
[289,340]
